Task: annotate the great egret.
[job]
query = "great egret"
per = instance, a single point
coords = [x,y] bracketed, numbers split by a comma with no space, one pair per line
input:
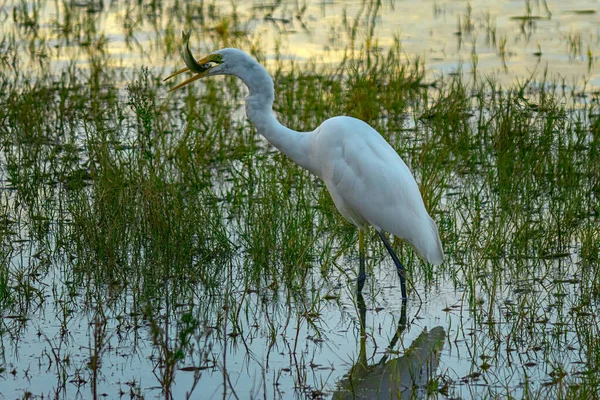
[368,181]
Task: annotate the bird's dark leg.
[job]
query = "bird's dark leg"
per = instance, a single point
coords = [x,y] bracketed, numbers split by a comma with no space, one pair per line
[362,276]
[399,267]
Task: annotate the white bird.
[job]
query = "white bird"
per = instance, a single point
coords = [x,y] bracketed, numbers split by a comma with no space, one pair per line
[368,181]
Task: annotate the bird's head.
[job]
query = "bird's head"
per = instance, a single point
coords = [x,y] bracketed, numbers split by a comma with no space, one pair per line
[220,62]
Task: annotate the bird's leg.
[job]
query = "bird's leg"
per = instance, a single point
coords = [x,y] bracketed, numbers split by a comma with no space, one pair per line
[399,267]
[362,276]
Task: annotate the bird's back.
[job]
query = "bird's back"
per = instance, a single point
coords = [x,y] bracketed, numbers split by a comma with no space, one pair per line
[371,184]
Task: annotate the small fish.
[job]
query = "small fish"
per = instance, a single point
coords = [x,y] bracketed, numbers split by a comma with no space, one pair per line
[188,58]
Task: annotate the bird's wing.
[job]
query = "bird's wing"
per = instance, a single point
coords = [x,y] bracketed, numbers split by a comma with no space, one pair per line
[370,183]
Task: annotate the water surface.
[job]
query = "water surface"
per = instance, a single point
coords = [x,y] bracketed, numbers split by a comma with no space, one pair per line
[227,273]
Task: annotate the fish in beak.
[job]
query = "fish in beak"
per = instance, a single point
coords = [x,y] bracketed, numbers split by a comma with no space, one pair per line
[200,67]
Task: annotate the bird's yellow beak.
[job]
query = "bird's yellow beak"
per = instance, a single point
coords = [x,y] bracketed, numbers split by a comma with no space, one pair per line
[189,80]
[200,67]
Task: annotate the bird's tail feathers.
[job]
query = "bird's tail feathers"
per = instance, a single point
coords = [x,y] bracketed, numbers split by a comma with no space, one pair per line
[428,244]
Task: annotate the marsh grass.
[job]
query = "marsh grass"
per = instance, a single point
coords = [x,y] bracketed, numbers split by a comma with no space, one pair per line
[166,221]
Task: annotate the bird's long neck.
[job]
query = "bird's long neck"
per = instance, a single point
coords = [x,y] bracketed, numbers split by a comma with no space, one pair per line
[259,110]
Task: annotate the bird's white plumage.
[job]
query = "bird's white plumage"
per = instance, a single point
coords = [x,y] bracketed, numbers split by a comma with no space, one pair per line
[367,179]
[371,185]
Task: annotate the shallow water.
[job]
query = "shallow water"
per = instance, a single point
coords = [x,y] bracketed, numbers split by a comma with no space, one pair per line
[295,359]
[276,351]
[511,40]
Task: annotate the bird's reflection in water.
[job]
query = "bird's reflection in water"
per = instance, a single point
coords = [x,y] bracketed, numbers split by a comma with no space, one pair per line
[392,378]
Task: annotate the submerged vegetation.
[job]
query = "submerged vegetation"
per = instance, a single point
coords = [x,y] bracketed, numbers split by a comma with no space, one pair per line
[153,243]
